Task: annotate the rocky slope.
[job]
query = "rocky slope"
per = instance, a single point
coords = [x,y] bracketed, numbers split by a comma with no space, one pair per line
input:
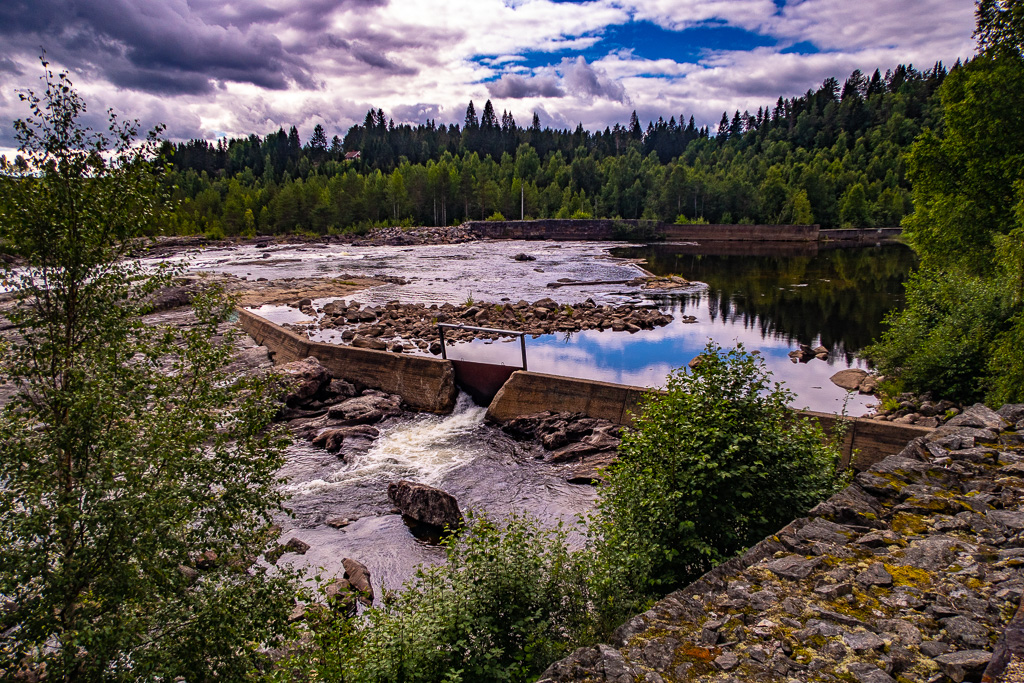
[911,574]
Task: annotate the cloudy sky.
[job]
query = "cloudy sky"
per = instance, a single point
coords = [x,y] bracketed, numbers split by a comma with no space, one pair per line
[210,68]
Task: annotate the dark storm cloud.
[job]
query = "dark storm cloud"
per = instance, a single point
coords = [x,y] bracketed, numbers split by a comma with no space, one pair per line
[516,87]
[9,66]
[129,42]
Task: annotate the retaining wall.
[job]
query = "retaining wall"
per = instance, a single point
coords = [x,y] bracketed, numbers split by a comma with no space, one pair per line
[527,393]
[595,229]
[426,384]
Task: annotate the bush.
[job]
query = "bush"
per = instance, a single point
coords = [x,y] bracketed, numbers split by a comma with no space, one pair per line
[681,219]
[496,216]
[715,464]
[510,600]
[942,342]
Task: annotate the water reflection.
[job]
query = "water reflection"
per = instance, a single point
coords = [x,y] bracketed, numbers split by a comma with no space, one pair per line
[798,293]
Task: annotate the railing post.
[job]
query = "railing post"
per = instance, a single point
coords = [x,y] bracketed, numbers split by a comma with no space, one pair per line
[522,343]
[440,330]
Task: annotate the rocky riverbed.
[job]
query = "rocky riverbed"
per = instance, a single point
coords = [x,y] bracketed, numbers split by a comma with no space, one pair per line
[910,574]
[408,327]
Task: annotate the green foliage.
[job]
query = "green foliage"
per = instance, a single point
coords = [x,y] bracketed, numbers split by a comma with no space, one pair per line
[496,216]
[964,180]
[681,219]
[960,336]
[638,231]
[943,340]
[715,464]
[125,452]
[508,601]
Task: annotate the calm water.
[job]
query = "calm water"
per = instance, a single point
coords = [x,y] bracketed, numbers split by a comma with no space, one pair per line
[770,299]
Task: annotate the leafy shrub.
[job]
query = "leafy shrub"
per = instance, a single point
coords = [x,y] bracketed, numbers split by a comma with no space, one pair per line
[681,219]
[715,464]
[510,599]
[496,216]
[581,214]
[943,340]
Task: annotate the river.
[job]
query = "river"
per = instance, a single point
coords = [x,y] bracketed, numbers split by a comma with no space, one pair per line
[768,299]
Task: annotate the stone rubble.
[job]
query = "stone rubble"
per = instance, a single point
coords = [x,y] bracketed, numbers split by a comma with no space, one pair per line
[910,574]
[587,443]
[414,326]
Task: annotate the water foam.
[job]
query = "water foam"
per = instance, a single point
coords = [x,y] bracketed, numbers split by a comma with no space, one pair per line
[422,449]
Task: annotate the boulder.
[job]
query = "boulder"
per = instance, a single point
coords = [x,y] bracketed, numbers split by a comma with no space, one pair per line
[425,504]
[979,416]
[964,664]
[332,439]
[302,380]
[524,257]
[373,406]
[361,342]
[849,379]
[358,577]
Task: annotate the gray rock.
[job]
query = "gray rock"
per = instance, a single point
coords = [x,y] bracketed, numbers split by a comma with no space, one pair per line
[979,416]
[361,342]
[1010,519]
[793,567]
[861,641]
[301,380]
[358,577]
[932,553]
[658,653]
[727,662]
[907,633]
[849,379]
[875,575]
[1012,412]
[964,664]
[831,591]
[933,648]
[966,631]
[296,546]
[332,439]
[425,504]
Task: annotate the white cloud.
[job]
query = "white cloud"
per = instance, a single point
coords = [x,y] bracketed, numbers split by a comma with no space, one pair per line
[415,59]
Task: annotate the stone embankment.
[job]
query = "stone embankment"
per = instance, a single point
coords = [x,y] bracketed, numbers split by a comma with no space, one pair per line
[400,237]
[910,574]
[407,327]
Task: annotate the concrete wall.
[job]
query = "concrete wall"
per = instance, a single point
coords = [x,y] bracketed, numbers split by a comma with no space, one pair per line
[595,229]
[864,235]
[532,392]
[426,384]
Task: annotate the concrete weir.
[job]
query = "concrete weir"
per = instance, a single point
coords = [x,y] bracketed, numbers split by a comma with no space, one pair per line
[430,385]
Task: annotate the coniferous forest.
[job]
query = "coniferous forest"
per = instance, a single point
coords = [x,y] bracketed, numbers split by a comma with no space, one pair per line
[833,156]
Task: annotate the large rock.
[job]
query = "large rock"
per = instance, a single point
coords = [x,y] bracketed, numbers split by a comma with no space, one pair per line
[332,439]
[358,577]
[373,406]
[849,379]
[964,664]
[979,416]
[425,504]
[302,379]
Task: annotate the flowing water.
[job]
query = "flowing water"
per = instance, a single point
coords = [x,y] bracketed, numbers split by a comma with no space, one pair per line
[769,299]
[484,469]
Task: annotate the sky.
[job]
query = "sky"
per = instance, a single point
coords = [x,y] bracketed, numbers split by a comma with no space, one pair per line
[214,68]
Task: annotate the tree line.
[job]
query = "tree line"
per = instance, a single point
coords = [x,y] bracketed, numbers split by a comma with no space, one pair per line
[833,156]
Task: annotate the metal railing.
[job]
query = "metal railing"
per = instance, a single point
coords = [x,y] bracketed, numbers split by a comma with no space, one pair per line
[522,336]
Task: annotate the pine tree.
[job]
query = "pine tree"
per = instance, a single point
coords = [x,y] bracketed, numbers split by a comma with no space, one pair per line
[471,122]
